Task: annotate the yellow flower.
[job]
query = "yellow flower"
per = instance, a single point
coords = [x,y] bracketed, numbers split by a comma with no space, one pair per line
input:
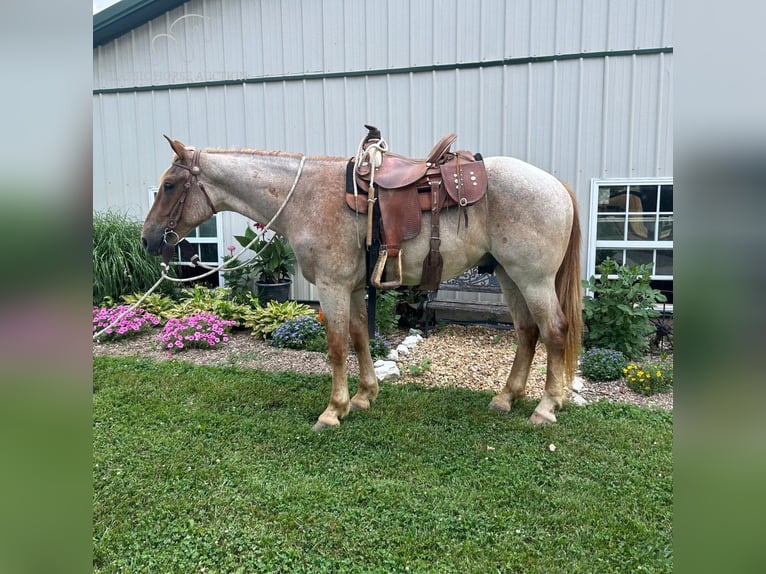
[640,373]
[659,373]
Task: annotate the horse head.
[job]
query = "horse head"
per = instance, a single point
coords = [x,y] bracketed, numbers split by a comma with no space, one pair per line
[181,203]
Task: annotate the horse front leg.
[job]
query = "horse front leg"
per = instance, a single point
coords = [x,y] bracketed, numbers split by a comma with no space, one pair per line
[360,338]
[335,304]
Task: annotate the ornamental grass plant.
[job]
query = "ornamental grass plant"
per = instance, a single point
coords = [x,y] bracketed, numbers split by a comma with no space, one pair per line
[121,265]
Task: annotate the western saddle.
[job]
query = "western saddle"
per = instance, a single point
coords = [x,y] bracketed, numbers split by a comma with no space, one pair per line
[402,188]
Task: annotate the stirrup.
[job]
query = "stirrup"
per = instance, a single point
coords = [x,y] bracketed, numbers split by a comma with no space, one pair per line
[380,267]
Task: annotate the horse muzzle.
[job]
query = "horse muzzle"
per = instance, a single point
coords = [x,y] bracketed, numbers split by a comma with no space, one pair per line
[153,245]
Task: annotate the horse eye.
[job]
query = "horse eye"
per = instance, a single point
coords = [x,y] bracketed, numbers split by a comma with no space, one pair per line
[168,186]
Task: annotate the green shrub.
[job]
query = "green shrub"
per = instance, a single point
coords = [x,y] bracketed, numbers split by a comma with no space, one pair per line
[649,377]
[238,280]
[264,320]
[602,364]
[619,314]
[305,333]
[386,318]
[120,263]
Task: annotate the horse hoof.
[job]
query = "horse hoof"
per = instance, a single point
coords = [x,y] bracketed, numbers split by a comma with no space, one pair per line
[360,406]
[539,418]
[319,426]
[500,407]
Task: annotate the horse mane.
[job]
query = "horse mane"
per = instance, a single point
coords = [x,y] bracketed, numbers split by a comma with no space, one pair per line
[272,153]
[248,151]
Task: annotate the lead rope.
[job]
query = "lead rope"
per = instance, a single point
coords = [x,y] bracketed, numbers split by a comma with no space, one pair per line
[165,267]
[373,153]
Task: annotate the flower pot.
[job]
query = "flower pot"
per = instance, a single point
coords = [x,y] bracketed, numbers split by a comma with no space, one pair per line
[279,292]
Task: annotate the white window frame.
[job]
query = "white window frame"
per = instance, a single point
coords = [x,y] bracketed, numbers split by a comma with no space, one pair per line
[594,243]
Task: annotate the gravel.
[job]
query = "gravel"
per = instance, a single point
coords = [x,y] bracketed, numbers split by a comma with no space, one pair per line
[473,357]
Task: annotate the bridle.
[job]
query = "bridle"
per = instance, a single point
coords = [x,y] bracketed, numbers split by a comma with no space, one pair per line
[175,212]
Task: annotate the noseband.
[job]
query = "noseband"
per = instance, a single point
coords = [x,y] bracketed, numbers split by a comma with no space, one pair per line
[175,213]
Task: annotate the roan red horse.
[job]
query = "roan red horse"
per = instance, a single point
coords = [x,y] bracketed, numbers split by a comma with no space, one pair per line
[527,221]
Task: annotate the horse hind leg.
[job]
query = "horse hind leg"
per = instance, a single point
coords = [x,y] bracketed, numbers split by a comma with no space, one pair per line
[546,310]
[527,334]
[360,338]
[536,313]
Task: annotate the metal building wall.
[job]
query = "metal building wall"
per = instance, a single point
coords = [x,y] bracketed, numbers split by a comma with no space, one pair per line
[581,88]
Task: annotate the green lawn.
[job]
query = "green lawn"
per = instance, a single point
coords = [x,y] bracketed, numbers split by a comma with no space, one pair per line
[202,469]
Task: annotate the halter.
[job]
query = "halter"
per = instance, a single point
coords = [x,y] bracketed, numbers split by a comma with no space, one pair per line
[175,213]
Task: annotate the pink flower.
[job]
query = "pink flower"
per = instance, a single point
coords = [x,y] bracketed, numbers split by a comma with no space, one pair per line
[231,248]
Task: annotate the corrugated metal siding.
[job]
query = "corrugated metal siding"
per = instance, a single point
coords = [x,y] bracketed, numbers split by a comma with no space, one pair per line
[577,118]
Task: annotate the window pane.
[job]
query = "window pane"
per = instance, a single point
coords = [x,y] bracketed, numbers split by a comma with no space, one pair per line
[208,228]
[641,227]
[666,198]
[613,254]
[646,196]
[208,252]
[664,262]
[638,256]
[666,228]
[612,198]
[610,227]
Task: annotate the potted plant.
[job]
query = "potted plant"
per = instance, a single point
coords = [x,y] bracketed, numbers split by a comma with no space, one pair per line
[272,265]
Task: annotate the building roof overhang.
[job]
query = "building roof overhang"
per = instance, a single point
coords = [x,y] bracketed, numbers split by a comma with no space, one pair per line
[121,18]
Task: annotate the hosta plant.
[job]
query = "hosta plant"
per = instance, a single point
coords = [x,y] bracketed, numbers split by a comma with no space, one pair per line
[157,304]
[218,301]
[264,320]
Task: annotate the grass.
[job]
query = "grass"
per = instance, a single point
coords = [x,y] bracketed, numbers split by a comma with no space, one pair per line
[203,469]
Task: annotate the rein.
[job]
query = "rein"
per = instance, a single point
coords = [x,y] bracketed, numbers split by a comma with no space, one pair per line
[164,265]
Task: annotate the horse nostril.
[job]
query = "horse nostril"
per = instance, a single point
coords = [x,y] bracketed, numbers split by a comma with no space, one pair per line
[145,243]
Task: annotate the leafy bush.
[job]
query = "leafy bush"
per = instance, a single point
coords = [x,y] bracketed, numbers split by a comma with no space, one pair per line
[131,324]
[602,364]
[201,330]
[120,264]
[264,320]
[649,378]
[238,280]
[386,318]
[304,332]
[619,314]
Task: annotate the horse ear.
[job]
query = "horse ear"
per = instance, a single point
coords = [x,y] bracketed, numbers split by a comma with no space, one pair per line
[176,146]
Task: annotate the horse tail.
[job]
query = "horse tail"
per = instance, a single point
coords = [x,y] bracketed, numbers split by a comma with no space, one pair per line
[569,292]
